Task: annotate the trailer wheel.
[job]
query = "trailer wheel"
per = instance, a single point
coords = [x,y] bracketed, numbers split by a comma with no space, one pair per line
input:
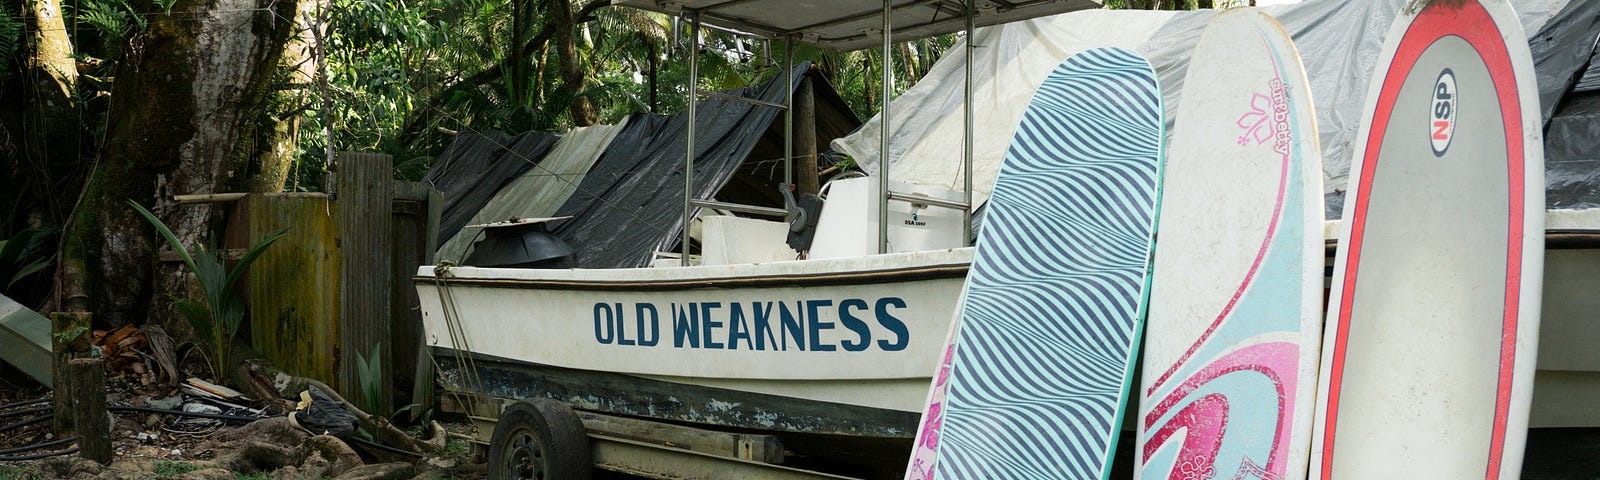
[539,439]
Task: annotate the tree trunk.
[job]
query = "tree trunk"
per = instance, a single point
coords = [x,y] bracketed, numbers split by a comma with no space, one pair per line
[267,143]
[185,96]
[39,121]
[572,78]
[654,75]
[519,66]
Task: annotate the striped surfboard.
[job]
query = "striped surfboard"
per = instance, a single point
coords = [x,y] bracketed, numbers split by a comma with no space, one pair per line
[1039,362]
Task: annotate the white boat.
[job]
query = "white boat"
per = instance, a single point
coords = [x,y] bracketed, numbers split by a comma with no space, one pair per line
[833,346]
[839,345]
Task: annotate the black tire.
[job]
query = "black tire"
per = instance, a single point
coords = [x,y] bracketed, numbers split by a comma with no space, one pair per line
[539,439]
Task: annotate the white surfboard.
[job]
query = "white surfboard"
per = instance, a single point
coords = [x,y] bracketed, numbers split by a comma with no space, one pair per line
[1236,306]
[1433,320]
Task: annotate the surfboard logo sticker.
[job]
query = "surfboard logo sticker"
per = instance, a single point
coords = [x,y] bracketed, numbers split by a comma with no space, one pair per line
[1442,121]
[1268,118]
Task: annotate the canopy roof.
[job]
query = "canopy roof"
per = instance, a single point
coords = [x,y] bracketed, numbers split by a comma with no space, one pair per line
[845,25]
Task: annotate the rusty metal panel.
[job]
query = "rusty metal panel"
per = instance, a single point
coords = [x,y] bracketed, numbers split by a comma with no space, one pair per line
[293,289]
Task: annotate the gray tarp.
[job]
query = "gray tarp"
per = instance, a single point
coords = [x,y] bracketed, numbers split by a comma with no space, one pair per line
[540,190]
[475,166]
[1338,40]
[631,203]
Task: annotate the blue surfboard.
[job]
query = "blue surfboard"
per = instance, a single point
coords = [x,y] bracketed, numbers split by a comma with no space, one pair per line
[1039,362]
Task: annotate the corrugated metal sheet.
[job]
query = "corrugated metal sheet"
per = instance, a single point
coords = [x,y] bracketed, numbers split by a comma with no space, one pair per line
[294,286]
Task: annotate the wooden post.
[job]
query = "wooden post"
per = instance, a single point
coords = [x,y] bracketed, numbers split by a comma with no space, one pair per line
[422,386]
[69,339]
[87,390]
[411,250]
[365,190]
[805,139]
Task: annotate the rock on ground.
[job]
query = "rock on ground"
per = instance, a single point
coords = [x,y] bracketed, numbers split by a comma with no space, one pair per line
[381,471]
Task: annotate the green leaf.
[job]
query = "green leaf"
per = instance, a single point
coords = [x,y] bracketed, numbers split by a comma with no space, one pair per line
[198,315]
[251,256]
[165,233]
[29,269]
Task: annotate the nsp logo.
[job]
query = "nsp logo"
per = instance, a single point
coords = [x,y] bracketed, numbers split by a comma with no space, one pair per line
[1442,115]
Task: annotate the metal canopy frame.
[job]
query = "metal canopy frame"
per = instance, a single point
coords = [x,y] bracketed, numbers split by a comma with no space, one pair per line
[846,25]
[842,25]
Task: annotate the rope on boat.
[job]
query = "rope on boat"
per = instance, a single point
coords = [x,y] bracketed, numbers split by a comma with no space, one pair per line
[458,337]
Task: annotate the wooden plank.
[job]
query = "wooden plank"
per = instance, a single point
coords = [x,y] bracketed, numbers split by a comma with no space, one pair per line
[87,392]
[652,461]
[411,191]
[365,189]
[409,230]
[69,340]
[208,198]
[436,208]
[422,392]
[293,288]
[760,448]
[805,139]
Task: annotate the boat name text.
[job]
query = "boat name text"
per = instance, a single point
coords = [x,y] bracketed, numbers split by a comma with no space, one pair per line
[819,325]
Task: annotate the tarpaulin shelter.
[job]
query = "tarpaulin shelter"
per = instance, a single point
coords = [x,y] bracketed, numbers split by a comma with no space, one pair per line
[475,166]
[537,191]
[623,184]
[1338,40]
[629,205]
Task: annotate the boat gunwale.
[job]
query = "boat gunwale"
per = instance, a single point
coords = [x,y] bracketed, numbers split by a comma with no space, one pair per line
[868,277]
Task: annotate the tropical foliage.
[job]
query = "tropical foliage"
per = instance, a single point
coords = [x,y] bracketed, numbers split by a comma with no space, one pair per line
[402,75]
[25,255]
[218,312]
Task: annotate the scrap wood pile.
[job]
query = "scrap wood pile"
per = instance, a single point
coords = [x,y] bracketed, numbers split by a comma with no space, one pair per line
[163,412]
[144,354]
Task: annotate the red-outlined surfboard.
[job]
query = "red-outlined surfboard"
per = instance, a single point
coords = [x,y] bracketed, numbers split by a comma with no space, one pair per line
[1427,368]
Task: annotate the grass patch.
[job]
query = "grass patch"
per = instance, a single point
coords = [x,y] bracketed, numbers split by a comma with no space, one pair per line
[454,449]
[167,469]
[9,472]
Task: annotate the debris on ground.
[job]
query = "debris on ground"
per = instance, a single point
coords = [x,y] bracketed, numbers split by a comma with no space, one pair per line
[212,431]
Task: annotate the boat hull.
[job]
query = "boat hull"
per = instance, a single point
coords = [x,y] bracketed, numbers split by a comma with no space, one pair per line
[855,334]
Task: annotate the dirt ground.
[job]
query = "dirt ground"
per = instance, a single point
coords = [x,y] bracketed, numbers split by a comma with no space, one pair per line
[152,445]
[147,445]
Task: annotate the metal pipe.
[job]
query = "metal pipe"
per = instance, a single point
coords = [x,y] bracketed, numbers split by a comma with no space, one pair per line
[788,111]
[688,157]
[860,16]
[966,139]
[916,199]
[736,98]
[883,126]
[741,208]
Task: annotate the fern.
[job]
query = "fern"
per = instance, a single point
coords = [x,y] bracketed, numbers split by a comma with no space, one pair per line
[115,19]
[10,40]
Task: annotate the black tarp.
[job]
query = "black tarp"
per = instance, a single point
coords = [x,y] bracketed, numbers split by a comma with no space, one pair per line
[475,166]
[1563,54]
[1561,51]
[631,202]
[1572,154]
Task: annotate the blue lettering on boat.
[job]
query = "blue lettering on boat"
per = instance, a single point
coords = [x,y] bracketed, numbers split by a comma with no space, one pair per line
[808,325]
